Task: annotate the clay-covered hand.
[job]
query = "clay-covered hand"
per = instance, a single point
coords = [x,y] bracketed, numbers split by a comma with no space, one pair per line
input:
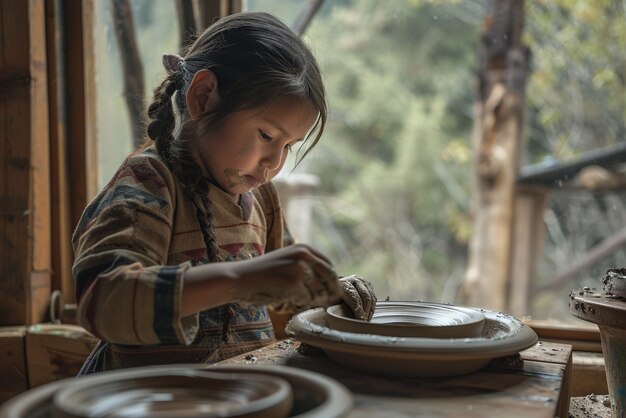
[359,295]
[296,274]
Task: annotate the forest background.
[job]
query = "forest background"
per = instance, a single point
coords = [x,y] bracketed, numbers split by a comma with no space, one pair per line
[394,167]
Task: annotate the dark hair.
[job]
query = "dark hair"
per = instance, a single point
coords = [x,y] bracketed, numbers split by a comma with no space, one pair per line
[256,59]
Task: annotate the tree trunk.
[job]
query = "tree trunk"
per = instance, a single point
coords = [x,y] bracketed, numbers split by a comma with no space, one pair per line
[132,67]
[497,140]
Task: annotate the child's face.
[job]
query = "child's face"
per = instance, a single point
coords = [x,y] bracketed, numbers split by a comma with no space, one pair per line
[251,146]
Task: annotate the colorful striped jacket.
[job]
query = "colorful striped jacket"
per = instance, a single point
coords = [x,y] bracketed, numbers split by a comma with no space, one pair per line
[132,245]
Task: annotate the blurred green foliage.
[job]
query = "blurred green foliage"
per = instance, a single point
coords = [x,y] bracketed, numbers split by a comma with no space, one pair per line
[577,97]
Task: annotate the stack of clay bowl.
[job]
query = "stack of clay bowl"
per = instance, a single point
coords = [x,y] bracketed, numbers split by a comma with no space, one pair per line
[186,391]
[413,339]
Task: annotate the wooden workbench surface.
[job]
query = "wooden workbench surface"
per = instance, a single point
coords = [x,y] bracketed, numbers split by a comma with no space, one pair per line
[538,389]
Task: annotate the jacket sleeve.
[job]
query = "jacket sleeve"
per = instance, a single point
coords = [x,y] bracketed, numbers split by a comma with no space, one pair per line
[125,292]
[278,236]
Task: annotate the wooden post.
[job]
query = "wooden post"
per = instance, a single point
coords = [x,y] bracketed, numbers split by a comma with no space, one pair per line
[497,140]
[187,23]
[75,153]
[25,262]
[206,12]
[528,231]
[60,216]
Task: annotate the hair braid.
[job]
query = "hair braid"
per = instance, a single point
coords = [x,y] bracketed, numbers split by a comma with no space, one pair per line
[162,119]
[205,217]
[176,155]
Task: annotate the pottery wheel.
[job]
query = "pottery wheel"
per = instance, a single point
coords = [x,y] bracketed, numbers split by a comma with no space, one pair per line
[502,335]
[596,306]
[608,312]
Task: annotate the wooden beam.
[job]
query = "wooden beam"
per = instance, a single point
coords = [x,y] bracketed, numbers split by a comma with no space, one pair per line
[61,228]
[80,102]
[553,173]
[25,263]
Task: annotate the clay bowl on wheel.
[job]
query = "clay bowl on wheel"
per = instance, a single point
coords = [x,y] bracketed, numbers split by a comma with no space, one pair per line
[410,319]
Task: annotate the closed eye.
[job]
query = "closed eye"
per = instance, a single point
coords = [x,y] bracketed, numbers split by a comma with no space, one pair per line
[264,136]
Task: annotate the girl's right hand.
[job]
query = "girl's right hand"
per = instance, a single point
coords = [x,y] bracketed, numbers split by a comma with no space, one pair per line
[296,274]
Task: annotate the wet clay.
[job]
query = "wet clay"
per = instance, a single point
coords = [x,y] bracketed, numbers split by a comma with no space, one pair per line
[614,282]
[306,292]
[359,295]
[234,177]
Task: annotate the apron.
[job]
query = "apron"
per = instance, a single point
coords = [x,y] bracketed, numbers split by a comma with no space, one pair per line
[225,331]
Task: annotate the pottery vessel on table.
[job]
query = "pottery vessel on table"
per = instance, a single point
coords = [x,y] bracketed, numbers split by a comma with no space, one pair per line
[502,335]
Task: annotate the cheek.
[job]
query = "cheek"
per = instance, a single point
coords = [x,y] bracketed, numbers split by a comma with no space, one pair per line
[245,148]
[283,159]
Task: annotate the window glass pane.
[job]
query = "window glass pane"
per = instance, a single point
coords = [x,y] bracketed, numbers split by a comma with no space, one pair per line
[576,106]
[156,30]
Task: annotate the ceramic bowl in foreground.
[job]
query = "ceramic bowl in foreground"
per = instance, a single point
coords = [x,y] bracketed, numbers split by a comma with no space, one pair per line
[410,319]
[502,335]
[314,395]
[174,393]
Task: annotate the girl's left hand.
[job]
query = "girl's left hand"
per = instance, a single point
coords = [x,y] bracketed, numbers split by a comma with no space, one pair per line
[359,295]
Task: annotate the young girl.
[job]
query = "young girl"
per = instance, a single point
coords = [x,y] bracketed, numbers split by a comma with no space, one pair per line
[178,256]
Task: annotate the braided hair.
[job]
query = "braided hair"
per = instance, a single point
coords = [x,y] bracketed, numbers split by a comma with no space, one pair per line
[256,59]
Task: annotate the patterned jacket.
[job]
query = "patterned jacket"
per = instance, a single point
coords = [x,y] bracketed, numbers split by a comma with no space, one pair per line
[132,245]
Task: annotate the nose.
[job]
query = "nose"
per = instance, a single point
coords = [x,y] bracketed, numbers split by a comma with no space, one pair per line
[273,158]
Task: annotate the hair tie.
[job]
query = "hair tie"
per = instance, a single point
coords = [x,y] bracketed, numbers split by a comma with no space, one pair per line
[172,63]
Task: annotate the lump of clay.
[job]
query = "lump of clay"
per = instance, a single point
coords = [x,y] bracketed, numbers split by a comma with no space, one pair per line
[615,282]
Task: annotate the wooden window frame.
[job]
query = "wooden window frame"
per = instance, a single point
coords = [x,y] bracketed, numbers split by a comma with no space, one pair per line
[48,145]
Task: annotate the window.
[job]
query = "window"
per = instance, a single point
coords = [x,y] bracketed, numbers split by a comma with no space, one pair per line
[389,187]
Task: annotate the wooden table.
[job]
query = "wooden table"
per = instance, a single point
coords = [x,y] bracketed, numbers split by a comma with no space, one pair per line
[538,389]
